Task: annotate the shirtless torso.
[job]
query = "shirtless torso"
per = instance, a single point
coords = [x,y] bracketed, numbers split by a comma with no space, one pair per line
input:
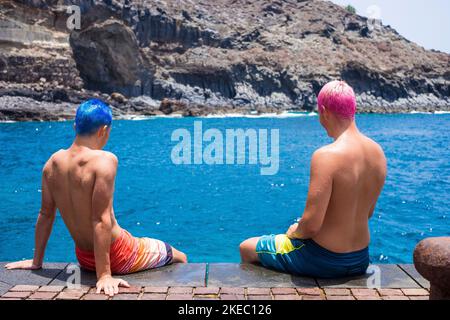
[356,166]
[332,236]
[75,178]
[346,179]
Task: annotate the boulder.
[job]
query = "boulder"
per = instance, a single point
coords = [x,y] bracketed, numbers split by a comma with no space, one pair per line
[115,61]
[169,106]
[120,98]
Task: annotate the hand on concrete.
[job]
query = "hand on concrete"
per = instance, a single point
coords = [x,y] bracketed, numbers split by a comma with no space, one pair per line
[110,285]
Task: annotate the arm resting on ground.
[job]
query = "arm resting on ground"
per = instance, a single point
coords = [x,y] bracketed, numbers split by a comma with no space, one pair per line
[43,227]
[319,194]
[102,203]
[102,210]
[44,222]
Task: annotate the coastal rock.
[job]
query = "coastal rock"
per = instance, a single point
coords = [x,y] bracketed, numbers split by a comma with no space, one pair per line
[28,109]
[115,62]
[226,56]
[118,97]
[172,106]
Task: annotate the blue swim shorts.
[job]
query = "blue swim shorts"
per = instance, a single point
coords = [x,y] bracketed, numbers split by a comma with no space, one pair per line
[307,258]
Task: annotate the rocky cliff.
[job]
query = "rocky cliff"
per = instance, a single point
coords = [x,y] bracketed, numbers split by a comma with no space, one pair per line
[197,56]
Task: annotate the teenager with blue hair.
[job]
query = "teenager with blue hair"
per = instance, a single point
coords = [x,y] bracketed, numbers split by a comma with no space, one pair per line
[79,182]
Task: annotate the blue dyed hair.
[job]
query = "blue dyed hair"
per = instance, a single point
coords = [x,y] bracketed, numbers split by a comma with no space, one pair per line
[91,115]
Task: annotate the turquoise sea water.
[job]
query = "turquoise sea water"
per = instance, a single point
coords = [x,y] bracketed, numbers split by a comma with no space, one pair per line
[206,210]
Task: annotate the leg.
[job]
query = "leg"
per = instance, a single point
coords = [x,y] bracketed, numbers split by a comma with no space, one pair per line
[280,253]
[178,256]
[155,253]
[248,250]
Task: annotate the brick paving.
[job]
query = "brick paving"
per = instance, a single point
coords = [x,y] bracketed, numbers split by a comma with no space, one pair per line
[415,292]
[24,288]
[51,289]
[309,291]
[391,292]
[42,296]
[284,291]
[156,289]
[26,292]
[225,282]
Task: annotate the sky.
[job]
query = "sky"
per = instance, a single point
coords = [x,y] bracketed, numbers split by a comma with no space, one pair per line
[425,22]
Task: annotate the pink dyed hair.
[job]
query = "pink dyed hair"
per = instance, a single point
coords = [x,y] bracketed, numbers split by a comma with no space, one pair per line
[339,98]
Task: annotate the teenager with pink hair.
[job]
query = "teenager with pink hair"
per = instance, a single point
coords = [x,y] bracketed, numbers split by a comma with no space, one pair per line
[332,237]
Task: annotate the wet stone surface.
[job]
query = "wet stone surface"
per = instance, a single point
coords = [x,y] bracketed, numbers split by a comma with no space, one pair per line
[240,275]
[390,276]
[192,274]
[31,277]
[413,273]
[4,287]
[224,281]
[180,275]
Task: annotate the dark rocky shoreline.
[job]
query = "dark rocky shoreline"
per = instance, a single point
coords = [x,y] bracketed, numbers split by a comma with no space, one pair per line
[19,108]
[195,58]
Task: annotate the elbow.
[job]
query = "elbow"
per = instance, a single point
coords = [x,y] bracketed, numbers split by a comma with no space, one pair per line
[47,213]
[101,224]
[43,216]
[310,230]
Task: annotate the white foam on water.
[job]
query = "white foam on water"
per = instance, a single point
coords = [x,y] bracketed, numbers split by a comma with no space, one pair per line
[137,118]
[285,114]
[420,112]
[143,118]
[7,121]
[168,116]
[435,112]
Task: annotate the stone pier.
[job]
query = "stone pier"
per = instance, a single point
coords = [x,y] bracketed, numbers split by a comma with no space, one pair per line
[216,281]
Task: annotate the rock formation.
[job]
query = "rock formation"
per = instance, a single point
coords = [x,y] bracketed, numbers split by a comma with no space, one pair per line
[208,57]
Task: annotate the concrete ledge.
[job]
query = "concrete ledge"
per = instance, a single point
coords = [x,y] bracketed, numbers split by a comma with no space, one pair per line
[245,275]
[190,275]
[217,275]
[214,281]
[413,273]
[40,277]
[391,276]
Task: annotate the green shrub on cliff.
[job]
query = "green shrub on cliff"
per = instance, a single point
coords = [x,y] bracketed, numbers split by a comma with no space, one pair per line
[350,9]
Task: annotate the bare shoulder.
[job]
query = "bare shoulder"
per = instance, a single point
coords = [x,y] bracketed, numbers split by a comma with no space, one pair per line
[104,162]
[54,159]
[375,148]
[106,156]
[325,152]
[325,157]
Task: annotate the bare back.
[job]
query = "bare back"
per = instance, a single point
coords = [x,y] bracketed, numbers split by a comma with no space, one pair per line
[71,175]
[357,167]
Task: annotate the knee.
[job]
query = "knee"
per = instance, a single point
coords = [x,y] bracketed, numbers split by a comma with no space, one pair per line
[179,257]
[183,258]
[248,252]
[245,250]
[242,247]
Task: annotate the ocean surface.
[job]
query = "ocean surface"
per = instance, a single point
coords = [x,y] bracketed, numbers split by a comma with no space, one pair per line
[207,210]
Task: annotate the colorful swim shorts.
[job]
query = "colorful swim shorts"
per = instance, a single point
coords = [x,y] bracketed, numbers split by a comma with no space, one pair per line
[129,254]
[307,258]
